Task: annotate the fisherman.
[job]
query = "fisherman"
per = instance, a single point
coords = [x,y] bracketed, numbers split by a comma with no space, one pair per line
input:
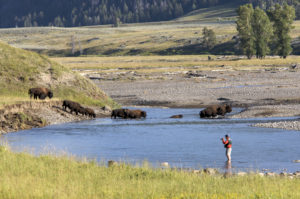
[227,144]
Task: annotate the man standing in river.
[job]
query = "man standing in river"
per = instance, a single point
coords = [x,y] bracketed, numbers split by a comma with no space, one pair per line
[227,144]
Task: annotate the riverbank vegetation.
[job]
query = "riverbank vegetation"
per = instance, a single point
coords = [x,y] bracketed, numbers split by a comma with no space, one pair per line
[52,176]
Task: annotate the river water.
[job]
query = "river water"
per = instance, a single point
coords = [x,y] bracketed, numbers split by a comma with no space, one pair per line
[189,142]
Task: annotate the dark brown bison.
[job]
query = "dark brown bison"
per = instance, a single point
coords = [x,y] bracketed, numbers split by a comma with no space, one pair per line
[74,107]
[135,114]
[214,110]
[40,93]
[177,116]
[210,111]
[123,113]
[223,109]
[90,112]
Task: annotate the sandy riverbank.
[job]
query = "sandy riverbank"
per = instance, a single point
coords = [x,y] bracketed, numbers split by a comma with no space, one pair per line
[263,93]
[35,114]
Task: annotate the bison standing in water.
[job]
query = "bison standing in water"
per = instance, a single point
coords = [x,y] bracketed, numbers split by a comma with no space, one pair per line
[136,114]
[40,93]
[123,113]
[214,110]
[127,113]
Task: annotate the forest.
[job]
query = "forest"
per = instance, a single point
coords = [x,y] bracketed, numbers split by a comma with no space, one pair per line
[72,13]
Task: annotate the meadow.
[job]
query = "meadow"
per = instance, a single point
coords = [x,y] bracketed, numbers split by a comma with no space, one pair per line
[63,176]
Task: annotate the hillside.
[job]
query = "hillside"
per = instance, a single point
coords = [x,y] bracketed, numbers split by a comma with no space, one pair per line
[21,70]
[72,13]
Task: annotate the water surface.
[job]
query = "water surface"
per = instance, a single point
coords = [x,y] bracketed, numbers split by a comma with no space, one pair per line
[190,142]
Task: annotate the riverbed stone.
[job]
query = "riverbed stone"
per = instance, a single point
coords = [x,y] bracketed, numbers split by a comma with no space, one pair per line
[271,174]
[112,163]
[211,171]
[164,164]
[241,174]
[261,174]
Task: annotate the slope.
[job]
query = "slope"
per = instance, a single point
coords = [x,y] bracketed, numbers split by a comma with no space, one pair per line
[21,70]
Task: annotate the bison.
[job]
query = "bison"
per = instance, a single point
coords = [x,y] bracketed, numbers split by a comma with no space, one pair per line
[223,109]
[214,110]
[40,93]
[123,113]
[90,112]
[135,114]
[74,107]
[176,116]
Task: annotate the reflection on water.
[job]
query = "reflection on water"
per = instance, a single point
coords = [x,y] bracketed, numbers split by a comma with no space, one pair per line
[189,142]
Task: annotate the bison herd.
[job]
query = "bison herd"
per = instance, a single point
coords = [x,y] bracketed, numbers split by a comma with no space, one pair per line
[41,93]
[77,108]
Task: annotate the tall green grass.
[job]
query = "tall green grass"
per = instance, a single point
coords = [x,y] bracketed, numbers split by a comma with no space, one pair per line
[49,176]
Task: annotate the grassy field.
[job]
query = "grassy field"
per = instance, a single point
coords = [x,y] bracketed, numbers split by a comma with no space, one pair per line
[158,38]
[149,64]
[52,176]
[21,70]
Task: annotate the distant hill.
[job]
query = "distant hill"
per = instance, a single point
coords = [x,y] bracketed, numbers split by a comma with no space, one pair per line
[21,70]
[216,13]
[71,13]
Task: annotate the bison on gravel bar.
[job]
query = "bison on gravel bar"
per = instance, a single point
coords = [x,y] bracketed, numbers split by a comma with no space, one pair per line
[40,93]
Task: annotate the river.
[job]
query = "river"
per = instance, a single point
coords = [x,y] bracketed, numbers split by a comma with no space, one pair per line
[189,142]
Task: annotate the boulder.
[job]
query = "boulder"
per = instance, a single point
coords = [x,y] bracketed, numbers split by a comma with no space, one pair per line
[271,174]
[241,174]
[296,161]
[112,163]
[164,164]
[211,171]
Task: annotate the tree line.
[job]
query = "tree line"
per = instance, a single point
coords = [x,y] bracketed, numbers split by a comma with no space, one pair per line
[265,32]
[70,13]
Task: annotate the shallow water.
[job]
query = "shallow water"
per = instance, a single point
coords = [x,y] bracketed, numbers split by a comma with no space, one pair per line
[190,142]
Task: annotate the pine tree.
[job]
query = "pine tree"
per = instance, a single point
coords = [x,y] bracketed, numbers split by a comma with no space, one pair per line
[245,32]
[209,38]
[262,32]
[282,18]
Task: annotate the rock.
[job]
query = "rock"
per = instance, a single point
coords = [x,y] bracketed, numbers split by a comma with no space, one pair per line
[211,171]
[297,174]
[164,164]
[296,161]
[283,174]
[271,174]
[196,171]
[112,163]
[261,174]
[106,108]
[241,174]
[177,116]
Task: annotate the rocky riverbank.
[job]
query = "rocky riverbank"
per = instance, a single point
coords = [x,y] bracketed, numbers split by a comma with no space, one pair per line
[35,114]
[262,93]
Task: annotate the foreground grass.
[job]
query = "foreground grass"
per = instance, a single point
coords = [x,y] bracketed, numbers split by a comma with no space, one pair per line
[47,176]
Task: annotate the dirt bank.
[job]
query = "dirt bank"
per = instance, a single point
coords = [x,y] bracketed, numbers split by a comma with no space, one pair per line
[35,114]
